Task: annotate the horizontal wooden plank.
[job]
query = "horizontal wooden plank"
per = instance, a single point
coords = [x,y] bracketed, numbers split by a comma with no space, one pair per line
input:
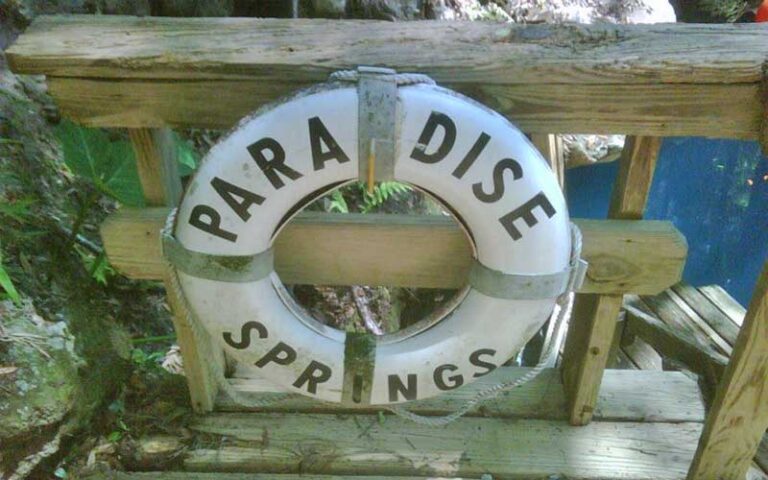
[413,251]
[370,445]
[675,343]
[167,475]
[661,80]
[719,321]
[713,110]
[625,395]
[460,52]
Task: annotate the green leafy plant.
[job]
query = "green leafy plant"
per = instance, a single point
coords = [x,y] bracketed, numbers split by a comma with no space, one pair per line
[188,157]
[381,193]
[97,265]
[6,283]
[337,202]
[108,163]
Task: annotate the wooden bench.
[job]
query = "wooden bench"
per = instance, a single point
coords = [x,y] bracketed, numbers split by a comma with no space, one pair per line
[150,74]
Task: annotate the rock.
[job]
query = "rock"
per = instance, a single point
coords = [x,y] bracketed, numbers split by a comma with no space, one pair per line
[41,391]
[590,149]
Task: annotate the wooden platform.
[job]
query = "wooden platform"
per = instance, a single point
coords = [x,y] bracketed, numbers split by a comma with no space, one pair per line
[646,426]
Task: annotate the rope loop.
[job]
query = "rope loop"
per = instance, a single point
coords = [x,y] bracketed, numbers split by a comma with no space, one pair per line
[401,79]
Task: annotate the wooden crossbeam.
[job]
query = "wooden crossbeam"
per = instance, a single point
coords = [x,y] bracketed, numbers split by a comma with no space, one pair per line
[411,250]
[658,80]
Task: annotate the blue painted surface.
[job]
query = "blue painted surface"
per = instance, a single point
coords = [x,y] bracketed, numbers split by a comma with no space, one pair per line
[716,194]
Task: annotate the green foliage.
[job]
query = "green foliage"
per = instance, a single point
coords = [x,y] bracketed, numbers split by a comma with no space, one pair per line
[6,283]
[17,210]
[381,193]
[338,203]
[97,265]
[188,157]
[108,163]
[726,10]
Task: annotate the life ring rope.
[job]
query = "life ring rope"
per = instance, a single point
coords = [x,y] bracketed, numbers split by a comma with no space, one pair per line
[221,263]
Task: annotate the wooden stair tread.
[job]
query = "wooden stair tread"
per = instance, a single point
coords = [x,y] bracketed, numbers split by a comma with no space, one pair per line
[370,445]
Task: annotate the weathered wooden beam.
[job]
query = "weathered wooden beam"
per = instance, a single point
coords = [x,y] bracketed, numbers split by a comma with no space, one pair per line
[551,148]
[738,417]
[626,396]
[160,180]
[593,325]
[731,111]
[633,181]
[658,80]
[354,444]
[158,171]
[716,318]
[309,49]
[414,251]
[676,344]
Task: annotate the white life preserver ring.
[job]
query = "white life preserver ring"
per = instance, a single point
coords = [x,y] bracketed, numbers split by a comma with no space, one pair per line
[468,156]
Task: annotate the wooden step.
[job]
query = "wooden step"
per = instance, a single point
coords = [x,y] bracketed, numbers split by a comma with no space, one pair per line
[389,445]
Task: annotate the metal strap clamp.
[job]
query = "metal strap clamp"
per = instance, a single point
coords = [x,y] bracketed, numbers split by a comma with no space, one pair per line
[376,124]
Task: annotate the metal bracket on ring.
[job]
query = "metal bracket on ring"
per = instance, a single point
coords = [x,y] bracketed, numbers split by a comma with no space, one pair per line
[376,124]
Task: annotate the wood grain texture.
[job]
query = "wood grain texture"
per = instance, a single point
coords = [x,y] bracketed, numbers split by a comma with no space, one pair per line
[633,181]
[739,417]
[593,325]
[585,355]
[661,80]
[723,325]
[310,49]
[417,251]
[675,344]
[551,148]
[184,475]
[713,110]
[356,444]
[158,171]
[625,396]
[724,302]
[159,178]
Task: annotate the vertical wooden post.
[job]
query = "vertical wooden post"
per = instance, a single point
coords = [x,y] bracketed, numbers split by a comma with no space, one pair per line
[158,170]
[551,147]
[593,322]
[738,417]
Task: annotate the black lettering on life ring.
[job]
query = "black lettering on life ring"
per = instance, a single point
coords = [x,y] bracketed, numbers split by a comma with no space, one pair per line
[228,192]
[319,135]
[316,372]
[472,155]
[281,354]
[449,128]
[213,223]
[525,211]
[245,335]
[456,380]
[274,166]
[498,180]
[396,387]
[474,359]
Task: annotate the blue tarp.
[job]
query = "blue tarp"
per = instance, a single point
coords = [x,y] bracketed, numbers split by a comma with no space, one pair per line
[716,194]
